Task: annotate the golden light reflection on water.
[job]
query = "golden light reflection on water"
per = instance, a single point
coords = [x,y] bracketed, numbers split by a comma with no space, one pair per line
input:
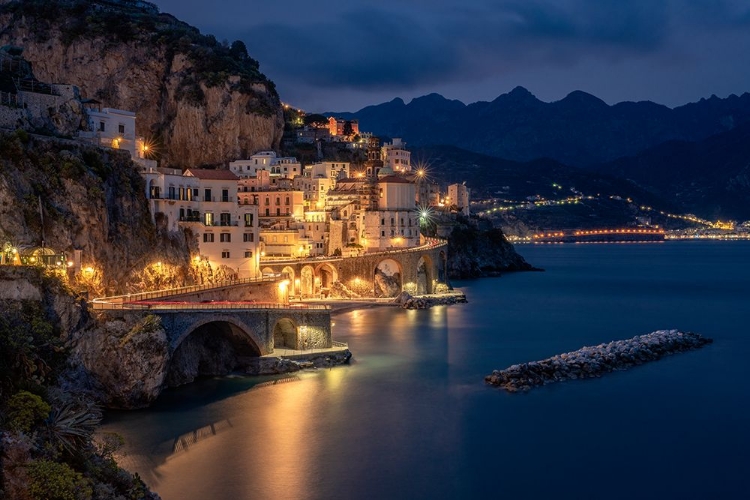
[274,428]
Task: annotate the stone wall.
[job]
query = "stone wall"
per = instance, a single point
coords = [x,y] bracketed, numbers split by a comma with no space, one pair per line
[356,274]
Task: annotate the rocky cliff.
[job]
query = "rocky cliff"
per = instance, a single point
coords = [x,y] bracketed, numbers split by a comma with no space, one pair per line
[200,101]
[475,251]
[76,196]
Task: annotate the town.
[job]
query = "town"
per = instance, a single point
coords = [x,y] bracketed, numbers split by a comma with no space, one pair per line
[260,212]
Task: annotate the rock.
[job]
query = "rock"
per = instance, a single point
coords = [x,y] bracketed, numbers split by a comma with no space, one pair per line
[590,362]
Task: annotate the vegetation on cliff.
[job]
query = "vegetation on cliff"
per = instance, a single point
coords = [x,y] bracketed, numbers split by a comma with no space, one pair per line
[68,196]
[475,248]
[48,446]
[188,89]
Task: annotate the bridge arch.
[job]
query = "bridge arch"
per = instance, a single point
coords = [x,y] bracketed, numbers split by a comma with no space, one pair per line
[212,345]
[286,334]
[325,276]
[424,275]
[225,325]
[267,270]
[388,278]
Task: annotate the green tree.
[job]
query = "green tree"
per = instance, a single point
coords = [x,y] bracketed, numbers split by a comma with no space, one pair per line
[25,410]
[348,129]
[56,481]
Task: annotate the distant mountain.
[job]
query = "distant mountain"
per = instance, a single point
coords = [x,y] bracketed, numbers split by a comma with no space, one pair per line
[578,130]
[710,178]
[488,176]
[506,179]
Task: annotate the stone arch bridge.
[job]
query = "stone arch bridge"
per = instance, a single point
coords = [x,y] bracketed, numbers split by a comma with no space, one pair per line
[420,270]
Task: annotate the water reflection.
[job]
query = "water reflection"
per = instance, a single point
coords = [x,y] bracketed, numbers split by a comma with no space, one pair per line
[411,417]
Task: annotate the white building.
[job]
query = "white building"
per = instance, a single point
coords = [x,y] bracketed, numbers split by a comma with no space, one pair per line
[115,128]
[458,195]
[205,201]
[395,155]
[331,169]
[285,166]
[315,190]
[395,224]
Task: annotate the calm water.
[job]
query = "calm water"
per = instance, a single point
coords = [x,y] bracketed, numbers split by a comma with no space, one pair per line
[412,418]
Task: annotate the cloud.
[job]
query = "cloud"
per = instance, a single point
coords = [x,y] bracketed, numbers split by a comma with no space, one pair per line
[382,47]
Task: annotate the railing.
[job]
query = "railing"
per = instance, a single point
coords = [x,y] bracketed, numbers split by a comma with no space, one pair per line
[11,100]
[202,306]
[431,243]
[136,297]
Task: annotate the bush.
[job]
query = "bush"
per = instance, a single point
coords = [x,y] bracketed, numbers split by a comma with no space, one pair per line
[57,481]
[26,410]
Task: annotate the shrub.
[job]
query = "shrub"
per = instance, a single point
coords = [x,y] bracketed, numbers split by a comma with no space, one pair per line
[25,410]
[56,481]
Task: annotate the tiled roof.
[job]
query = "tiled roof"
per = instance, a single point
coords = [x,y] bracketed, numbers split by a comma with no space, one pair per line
[394,179]
[211,175]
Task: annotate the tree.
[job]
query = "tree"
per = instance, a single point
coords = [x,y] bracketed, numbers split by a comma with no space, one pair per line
[348,130]
[238,50]
[316,120]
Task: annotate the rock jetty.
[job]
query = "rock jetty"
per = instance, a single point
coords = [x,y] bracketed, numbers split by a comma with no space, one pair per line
[594,361]
[407,301]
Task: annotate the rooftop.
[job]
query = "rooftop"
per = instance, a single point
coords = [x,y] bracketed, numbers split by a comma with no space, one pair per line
[211,175]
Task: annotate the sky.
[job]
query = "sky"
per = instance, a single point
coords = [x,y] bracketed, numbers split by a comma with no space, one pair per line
[343,55]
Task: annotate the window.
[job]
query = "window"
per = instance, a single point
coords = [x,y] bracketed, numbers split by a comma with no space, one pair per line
[287,201]
[391,221]
[226,219]
[172,195]
[207,195]
[121,128]
[208,237]
[278,200]
[225,195]
[267,212]
[225,238]
[208,219]
[225,254]
[248,254]
[248,237]
[382,222]
[195,193]
[248,219]
[101,126]
[286,239]
[382,233]
[268,202]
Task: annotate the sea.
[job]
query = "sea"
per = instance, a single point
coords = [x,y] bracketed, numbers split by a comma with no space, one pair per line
[411,417]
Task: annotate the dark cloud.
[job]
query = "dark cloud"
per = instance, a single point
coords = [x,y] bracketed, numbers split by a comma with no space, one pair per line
[396,48]
[388,46]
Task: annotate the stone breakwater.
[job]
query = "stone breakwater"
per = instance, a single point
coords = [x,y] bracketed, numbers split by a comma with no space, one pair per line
[593,361]
[426,301]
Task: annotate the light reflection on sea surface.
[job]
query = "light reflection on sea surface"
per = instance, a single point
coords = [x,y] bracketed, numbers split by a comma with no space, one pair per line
[411,417]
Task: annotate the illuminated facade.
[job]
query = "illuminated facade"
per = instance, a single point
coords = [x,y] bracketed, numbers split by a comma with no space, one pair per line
[395,155]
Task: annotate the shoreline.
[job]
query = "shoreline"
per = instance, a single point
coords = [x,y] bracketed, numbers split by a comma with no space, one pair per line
[341,306]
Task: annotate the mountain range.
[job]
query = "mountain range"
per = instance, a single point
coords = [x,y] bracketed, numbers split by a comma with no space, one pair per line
[580,130]
[692,158]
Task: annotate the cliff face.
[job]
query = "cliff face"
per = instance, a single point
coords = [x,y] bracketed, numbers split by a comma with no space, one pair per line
[475,252]
[90,199]
[201,102]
